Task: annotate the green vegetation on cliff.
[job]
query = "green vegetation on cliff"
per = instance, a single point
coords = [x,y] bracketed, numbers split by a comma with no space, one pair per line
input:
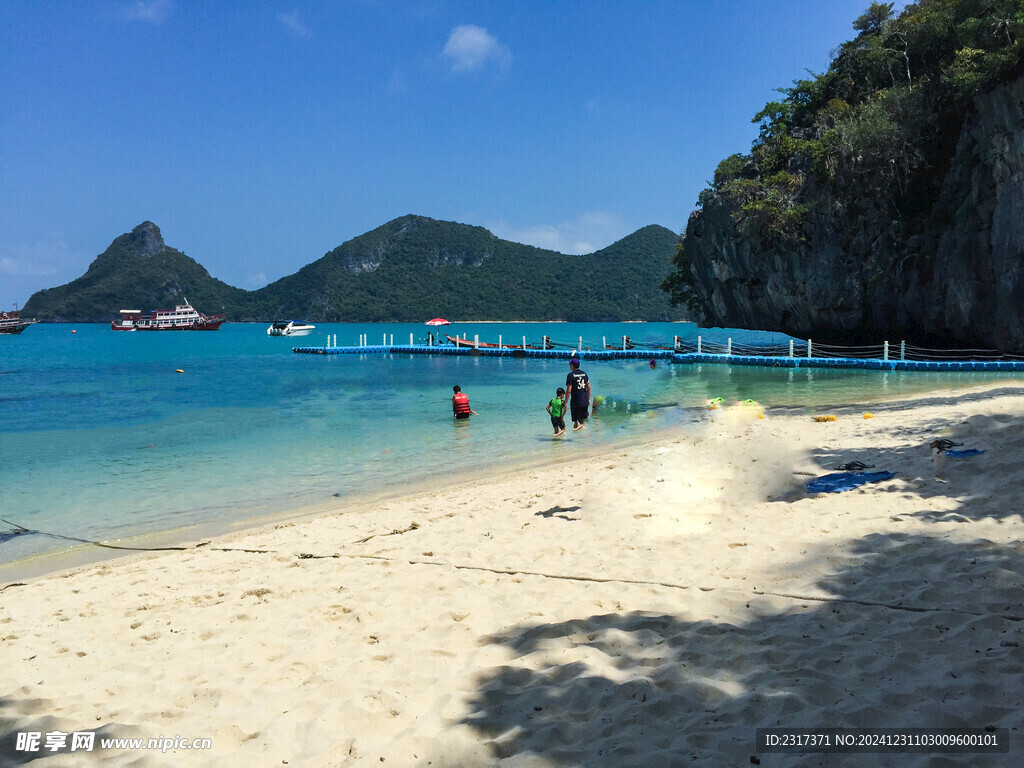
[407,270]
[876,131]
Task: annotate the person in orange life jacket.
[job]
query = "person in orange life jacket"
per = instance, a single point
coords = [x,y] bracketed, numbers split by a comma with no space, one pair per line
[460,404]
[577,385]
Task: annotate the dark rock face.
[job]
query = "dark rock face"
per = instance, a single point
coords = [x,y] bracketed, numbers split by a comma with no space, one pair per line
[145,239]
[977,275]
[953,277]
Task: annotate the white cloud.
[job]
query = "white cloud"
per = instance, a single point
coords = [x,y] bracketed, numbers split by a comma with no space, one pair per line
[28,267]
[470,47]
[153,11]
[43,258]
[9,266]
[293,23]
[590,231]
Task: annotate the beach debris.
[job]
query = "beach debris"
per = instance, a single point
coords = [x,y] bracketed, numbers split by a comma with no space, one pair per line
[938,456]
[869,415]
[751,406]
[394,532]
[829,417]
[854,466]
[8,535]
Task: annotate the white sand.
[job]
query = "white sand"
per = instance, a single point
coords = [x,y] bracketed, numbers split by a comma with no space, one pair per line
[652,606]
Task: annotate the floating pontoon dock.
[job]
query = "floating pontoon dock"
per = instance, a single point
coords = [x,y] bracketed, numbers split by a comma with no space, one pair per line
[687,352]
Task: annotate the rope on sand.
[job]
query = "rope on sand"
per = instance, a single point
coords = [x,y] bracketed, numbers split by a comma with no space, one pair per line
[671,585]
[18,530]
[511,572]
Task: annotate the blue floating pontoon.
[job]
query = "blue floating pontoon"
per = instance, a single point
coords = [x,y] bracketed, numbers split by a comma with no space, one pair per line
[681,358]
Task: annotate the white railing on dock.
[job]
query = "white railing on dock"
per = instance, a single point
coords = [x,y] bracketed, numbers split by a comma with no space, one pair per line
[884,351]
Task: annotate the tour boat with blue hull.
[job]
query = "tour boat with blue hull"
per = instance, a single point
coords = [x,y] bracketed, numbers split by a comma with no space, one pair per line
[11,322]
[184,317]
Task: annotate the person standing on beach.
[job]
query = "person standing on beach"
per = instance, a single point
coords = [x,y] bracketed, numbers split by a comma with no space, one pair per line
[460,404]
[577,392]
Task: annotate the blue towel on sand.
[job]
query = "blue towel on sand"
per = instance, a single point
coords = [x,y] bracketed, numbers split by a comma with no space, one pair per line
[965,453]
[844,481]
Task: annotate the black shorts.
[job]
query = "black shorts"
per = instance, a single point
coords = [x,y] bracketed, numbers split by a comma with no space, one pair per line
[579,411]
[558,422]
[461,415]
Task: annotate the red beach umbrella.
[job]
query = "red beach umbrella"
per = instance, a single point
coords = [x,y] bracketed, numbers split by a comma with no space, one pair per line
[438,321]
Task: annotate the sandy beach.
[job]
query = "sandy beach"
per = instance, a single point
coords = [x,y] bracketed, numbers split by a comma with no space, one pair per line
[649,606]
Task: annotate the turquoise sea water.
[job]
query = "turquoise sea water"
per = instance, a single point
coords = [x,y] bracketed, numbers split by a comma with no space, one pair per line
[102,439]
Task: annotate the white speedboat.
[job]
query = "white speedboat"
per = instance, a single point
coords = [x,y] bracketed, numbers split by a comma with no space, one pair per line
[290,328]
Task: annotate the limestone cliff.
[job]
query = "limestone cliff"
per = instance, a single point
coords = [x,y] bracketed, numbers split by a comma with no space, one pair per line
[953,274]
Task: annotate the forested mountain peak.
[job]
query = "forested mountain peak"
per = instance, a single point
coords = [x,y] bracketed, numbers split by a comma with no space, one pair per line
[410,268]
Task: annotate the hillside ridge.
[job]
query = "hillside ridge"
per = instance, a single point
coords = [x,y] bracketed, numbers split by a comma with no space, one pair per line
[404,270]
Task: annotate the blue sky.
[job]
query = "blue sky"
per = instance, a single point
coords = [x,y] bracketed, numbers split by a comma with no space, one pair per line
[260,134]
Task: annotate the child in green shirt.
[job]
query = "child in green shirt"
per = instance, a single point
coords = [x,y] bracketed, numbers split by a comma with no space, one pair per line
[556,409]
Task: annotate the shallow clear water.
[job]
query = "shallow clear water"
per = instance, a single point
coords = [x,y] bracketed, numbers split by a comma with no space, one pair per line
[102,438]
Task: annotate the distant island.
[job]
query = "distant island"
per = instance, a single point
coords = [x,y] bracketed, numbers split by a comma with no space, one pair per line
[407,270]
[882,198]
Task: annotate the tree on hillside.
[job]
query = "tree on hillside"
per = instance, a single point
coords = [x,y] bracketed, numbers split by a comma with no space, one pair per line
[873,18]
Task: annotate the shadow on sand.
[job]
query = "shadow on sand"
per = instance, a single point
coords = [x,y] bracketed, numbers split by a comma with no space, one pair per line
[653,690]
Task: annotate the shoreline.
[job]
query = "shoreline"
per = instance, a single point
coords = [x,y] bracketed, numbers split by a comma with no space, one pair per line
[84,554]
[650,604]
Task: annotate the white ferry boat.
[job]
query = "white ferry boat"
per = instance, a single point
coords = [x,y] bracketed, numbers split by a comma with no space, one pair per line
[11,322]
[183,317]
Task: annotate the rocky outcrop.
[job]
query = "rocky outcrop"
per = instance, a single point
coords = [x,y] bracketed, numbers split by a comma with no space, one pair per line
[137,270]
[975,281]
[144,240]
[952,276]
[367,254]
